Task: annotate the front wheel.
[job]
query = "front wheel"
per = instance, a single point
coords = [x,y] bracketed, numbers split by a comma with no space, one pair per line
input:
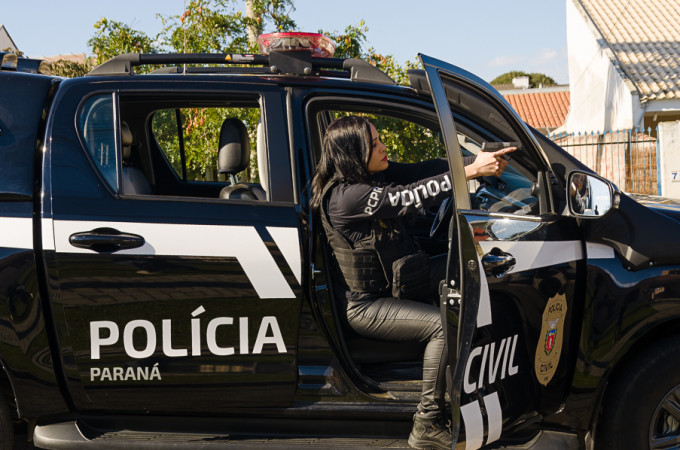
[642,405]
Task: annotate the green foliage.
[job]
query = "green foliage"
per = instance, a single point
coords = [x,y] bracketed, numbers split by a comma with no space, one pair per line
[539,79]
[275,11]
[405,141]
[206,27]
[507,77]
[350,43]
[200,133]
[219,26]
[391,67]
[535,79]
[114,38]
[17,52]
[71,69]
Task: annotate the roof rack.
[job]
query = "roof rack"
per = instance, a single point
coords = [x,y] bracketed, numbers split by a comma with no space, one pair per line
[10,61]
[279,62]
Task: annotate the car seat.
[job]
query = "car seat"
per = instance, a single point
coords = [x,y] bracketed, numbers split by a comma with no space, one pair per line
[234,157]
[133,179]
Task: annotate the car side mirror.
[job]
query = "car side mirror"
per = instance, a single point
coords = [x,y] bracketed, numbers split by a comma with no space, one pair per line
[590,196]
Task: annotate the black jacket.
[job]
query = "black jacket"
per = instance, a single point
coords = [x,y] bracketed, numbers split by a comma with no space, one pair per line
[399,190]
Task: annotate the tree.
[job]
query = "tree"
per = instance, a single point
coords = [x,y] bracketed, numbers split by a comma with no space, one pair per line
[113,38]
[10,49]
[71,69]
[350,43]
[278,11]
[218,26]
[254,29]
[206,26]
[405,141]
[535,79]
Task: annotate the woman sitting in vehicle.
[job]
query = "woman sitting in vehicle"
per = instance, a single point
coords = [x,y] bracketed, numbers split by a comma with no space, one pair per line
[363,199]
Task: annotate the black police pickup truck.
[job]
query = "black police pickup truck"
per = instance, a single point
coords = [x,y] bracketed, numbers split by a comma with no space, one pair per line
[142,305]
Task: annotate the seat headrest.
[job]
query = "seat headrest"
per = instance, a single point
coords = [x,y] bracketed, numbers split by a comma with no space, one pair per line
[126,140]
[125,133]
[234,149]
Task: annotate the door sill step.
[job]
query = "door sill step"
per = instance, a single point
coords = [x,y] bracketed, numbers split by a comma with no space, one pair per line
[76,435]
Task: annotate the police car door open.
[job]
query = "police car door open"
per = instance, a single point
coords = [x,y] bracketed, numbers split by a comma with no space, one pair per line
[511,276]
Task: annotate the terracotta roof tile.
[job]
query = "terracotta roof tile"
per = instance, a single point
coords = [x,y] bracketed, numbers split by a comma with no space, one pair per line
[644,37]
[541,109]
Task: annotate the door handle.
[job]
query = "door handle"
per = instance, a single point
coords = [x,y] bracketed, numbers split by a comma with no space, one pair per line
[105,240]
[497,262]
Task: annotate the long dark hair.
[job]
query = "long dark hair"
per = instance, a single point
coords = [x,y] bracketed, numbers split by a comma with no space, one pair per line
[344,157]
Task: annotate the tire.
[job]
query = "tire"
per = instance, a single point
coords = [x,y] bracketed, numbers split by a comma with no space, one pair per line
[6,426]
[642,405]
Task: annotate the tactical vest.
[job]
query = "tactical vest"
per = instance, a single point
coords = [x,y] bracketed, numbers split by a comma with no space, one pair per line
[366,265]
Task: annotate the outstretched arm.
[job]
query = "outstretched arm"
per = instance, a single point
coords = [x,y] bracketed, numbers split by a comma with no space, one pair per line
[488,164]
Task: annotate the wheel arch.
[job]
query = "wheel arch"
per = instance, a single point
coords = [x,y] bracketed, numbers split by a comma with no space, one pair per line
[628,356]
[8,392]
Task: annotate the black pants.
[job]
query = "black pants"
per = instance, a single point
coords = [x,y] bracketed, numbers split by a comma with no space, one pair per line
[391,319]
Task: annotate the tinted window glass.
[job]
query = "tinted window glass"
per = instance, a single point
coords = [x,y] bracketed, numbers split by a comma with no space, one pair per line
[480,118]
[406,140]
[512,193]
[98,131]
[194,145]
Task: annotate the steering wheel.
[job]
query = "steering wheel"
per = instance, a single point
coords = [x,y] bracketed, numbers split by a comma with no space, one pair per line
[443,217]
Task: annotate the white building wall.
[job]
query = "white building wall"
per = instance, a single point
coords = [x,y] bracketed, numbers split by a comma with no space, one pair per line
[669,156]
[600,98]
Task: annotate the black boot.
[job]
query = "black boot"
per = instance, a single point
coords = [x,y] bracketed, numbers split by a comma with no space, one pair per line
[429,433]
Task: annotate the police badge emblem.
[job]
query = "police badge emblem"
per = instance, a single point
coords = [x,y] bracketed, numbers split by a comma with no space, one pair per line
[550,337]
[550,341]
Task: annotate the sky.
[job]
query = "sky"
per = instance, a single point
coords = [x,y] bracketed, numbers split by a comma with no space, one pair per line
[485,37]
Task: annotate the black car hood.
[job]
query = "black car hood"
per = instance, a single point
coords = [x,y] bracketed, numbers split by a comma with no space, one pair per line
[642,235]
[644,230]
[666,206]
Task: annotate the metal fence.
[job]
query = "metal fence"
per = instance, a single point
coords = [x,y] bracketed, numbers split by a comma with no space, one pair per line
[629,158]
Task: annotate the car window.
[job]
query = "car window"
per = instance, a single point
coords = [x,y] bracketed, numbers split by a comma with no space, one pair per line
[407,141]
[198,129]
[512,193]
[406,138]
[410,135]
[183,146]
[479,120]
[97,129]
[413,138]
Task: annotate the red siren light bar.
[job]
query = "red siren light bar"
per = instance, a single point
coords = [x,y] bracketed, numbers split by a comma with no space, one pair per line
[321,46]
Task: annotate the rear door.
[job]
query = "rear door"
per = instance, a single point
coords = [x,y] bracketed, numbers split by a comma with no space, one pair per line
[167,297]
[515,261]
